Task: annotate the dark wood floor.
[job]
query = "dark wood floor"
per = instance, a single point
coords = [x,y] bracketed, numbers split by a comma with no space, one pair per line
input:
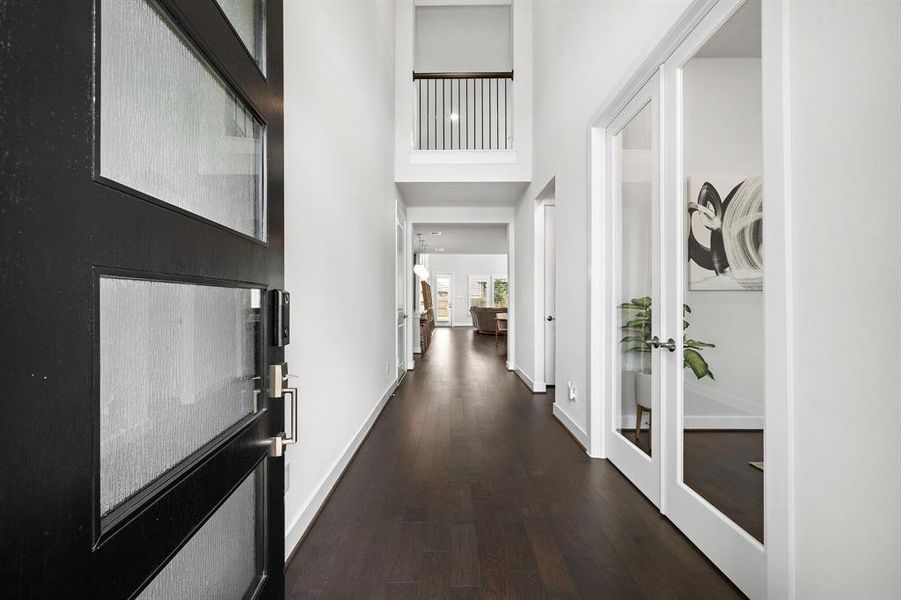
[467,487]
[717,467]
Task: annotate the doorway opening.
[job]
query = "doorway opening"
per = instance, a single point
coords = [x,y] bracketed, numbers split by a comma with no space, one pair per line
[462,280]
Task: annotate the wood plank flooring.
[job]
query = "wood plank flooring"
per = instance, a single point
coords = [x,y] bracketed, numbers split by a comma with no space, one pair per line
[716,466]
[467,487]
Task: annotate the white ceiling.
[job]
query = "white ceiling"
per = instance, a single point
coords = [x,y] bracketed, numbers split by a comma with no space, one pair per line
[739,37]
[488,193]
[469,238]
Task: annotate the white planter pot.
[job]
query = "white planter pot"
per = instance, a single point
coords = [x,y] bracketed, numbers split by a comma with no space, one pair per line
[643,390]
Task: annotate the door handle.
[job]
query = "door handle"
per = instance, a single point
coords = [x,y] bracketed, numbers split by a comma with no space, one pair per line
[550,318]
[279,388]
[655,342]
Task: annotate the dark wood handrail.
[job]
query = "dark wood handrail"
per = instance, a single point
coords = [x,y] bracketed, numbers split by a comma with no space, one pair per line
[465,75]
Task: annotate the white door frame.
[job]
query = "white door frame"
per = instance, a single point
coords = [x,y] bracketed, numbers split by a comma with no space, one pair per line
[779,525]
[505,215]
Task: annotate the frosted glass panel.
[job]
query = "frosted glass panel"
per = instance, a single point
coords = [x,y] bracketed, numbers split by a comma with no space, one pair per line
[177,363]
[170,127]
[246,16]
[222,560]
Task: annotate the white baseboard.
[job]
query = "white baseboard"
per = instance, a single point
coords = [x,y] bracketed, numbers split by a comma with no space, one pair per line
[294,533]
[722,422]
[707,422]
[571,426]
[723,398]
[537,387]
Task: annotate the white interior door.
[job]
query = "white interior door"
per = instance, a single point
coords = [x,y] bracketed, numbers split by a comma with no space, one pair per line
[402,276]
[443,301]
[634,433]
[714,286]
[550,295]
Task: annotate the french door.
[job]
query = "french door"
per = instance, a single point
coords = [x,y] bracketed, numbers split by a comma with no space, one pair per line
[686,286]
[634,419]
[142,241]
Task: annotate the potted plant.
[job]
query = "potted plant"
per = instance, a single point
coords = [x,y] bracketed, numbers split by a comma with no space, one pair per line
[638,329]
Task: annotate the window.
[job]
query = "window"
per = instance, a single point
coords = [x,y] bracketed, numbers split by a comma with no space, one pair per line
[499,290]
[478,291]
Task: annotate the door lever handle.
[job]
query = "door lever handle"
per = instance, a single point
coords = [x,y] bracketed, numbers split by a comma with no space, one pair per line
[278,381]
[655,342]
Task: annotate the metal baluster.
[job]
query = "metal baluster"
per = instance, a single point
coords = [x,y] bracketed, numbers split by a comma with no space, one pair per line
[419,110]
[459,116]
[489,114]
[497,112]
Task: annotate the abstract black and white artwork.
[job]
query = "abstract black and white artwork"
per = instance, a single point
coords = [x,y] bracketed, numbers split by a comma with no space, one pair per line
[725,234]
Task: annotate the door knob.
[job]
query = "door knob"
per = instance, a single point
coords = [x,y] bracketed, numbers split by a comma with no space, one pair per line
[550,318]
[655,342]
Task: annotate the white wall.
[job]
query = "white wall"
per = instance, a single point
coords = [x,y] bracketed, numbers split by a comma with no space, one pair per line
[339,234]
[464,38]
[723,137]
[462,266]
[523,294]
[845,107]
[582,50]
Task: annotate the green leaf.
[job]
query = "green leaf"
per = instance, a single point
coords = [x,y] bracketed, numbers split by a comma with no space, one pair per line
[636,323]
[689,343]
[643,302]
[631,306]
[684,324]
[694,361]
[686,308]
[632,338]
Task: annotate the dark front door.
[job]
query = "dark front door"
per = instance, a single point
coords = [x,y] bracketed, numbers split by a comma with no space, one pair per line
[141,223]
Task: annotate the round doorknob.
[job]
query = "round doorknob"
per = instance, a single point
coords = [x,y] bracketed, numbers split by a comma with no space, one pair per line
[550,317]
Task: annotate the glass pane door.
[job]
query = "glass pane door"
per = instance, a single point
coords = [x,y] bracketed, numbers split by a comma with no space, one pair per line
[633,442]
[444,289]
[714,245]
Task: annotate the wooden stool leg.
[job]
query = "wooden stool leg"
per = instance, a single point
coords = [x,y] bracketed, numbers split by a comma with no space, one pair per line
[639,411]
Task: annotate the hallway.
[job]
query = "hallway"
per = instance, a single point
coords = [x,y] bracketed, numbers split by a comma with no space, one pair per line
[467,487]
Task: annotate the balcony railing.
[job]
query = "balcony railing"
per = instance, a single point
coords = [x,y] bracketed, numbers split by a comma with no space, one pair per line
[464,111]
